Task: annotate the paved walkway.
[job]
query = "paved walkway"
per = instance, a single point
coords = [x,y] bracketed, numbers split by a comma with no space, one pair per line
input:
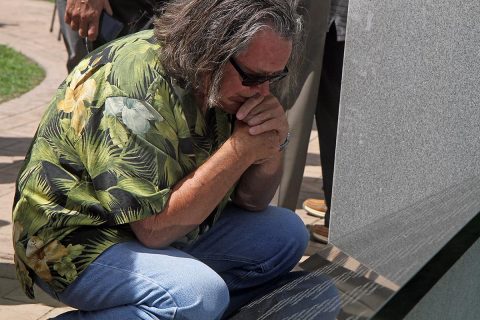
[24,26]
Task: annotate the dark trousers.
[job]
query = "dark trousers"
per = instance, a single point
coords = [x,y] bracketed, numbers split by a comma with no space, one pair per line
[326,115]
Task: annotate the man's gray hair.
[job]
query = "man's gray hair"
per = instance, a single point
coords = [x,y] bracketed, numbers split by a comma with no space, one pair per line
[198,37]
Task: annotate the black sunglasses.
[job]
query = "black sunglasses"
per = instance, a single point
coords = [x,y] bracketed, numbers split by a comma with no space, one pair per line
[250,80]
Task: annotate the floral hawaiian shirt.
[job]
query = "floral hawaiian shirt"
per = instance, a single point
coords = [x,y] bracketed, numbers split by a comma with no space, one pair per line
[115,139]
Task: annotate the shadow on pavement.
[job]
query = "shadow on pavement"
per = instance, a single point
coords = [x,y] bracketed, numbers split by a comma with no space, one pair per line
[13,146]
[8,24]
[4,223]
[11,176]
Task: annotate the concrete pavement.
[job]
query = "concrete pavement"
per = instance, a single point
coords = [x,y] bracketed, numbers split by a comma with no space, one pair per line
[24,26]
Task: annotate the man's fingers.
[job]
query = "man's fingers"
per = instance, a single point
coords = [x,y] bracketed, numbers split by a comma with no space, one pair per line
[259,118]
[69,7]
[84,15]
[264,127]
[248,106]
[75,13]
[264,113]
[67,17]
[253,113]
[107,7]
[94,23]
[74,24]
[93,31]
[83,27]
[95,13]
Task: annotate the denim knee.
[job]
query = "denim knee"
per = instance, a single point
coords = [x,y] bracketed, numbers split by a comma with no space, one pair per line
[251,248]
[291,233]
[283,241]
[208,296]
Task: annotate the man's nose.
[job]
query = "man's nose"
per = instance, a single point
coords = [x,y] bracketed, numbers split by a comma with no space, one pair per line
[263,88]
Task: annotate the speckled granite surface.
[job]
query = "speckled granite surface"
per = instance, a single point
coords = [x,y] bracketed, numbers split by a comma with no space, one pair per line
[409,129]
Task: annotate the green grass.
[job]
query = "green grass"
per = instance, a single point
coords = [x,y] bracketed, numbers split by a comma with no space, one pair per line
[18,74]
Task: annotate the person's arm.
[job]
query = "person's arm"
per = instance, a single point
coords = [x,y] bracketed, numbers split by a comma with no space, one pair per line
[195,196]
[84,16]
[258,184]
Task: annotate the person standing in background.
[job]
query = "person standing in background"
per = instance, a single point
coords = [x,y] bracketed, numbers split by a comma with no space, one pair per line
[80,22]
[317,96]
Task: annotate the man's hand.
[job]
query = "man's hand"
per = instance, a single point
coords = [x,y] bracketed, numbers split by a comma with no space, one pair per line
[84,16]
[258,148]
[263,114]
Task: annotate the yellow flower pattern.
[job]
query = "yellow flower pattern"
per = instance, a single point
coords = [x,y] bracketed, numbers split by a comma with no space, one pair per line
[77,94]
[39,257]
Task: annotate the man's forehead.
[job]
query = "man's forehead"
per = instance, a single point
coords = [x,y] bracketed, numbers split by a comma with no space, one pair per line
[266,54]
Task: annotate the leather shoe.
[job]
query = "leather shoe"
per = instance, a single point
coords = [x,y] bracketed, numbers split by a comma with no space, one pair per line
[318,233]
[315,207]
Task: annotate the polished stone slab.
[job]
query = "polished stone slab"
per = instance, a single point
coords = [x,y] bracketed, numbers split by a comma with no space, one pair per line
[359,292]
[451,276]
[408,131]
[398,245]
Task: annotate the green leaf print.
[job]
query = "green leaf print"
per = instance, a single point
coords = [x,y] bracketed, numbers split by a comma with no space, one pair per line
[140,62]
[65,267]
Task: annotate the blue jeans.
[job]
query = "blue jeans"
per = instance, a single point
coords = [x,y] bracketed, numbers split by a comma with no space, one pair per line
[243,250]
